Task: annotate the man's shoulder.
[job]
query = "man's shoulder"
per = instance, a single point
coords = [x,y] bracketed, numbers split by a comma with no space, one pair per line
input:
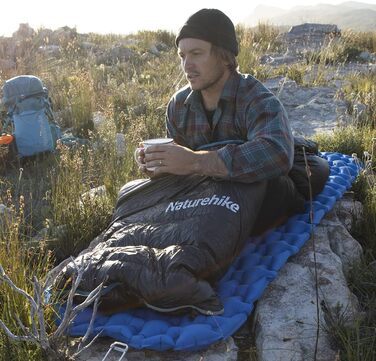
[181,95]
[249,83]
[252,90]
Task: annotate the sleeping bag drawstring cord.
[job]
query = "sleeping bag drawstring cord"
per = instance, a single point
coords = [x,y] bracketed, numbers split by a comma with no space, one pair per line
[311,218]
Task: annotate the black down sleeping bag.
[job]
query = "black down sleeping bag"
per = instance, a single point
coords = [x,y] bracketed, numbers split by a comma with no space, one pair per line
[170,239]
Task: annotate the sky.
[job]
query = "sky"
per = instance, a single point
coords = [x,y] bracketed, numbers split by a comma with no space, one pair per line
[125,17]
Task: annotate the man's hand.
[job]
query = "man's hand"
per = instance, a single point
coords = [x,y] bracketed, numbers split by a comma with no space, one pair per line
[179,160]
[140,159]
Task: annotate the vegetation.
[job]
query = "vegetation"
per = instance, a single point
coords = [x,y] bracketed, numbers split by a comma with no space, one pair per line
[102,85]
[357,340]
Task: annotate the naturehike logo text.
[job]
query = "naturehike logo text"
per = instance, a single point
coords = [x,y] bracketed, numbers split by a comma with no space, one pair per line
[223,201]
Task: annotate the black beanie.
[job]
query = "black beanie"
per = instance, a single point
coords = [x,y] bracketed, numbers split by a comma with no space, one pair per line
[211,25]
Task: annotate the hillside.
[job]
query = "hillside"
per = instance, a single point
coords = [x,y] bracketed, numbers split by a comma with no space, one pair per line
[348,15]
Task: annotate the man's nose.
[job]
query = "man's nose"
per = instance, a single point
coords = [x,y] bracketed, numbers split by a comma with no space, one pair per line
[187,63]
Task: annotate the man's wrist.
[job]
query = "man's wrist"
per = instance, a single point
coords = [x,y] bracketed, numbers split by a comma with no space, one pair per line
[209,163]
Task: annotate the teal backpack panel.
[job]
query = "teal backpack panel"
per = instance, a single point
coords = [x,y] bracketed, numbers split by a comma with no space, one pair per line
[29,112]
[32,133]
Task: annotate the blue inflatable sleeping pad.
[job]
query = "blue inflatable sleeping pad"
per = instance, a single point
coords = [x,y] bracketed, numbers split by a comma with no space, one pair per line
[243,284]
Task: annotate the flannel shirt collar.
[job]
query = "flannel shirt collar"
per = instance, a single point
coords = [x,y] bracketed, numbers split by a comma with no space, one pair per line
[228,93]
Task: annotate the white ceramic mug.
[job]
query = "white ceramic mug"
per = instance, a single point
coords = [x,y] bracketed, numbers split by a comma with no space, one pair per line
[147,143]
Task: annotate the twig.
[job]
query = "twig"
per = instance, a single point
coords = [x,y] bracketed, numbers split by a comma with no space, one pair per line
[67,319]
[89,299]
[11,335]
[88,345]
[93,316]
[7,280]
[24,329]
[40,312]
[70,311]
[34,329]
[38,333]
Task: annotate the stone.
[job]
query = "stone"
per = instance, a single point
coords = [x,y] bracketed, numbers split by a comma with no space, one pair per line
[25,31]
[162,47]
[51,50]
[120,145]
[310,110]
[309,36]
[86,45]
[7,64]
[64,34]
[286,314]
[367,57]
[93,193]
[342,243]
[276,60]
[49,234]
[117,54]
[99,119]
[154,50]
[313,28]
[5,214]
[349,210]
[360,112]
[121,53]
[45,35]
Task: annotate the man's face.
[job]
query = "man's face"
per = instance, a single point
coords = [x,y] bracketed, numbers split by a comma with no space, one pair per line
[203,69]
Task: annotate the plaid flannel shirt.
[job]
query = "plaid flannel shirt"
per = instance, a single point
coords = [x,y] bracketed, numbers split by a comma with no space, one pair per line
[246,111]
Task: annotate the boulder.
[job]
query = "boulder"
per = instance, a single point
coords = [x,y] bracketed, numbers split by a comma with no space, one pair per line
[120,145]
[45,35]
[312,28]
[5,215]
[99,119]
[25,31]
[360,112]
[310,110]
[366,56]
[50,50]
[286,315]
[117,54]
[93,194]
[64,34]
[162,46]
[309,36]
[154,50]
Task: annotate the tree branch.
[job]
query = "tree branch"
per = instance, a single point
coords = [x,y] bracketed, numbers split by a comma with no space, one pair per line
[14,337]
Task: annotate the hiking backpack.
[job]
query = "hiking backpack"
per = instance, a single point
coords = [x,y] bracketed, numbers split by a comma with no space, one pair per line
[29,112]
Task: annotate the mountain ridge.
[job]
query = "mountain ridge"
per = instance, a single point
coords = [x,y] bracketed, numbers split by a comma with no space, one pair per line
[353,15]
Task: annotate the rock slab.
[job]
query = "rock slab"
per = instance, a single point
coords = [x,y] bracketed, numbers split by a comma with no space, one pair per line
[286,315]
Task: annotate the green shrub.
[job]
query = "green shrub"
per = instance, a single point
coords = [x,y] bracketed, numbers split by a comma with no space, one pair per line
[20,263]
[361,88]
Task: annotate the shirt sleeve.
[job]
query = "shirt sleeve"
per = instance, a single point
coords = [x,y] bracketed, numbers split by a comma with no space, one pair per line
[269,149]
[171,128]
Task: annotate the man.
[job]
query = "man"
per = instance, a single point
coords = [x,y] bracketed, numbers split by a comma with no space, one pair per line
[245,121]
[173,238]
